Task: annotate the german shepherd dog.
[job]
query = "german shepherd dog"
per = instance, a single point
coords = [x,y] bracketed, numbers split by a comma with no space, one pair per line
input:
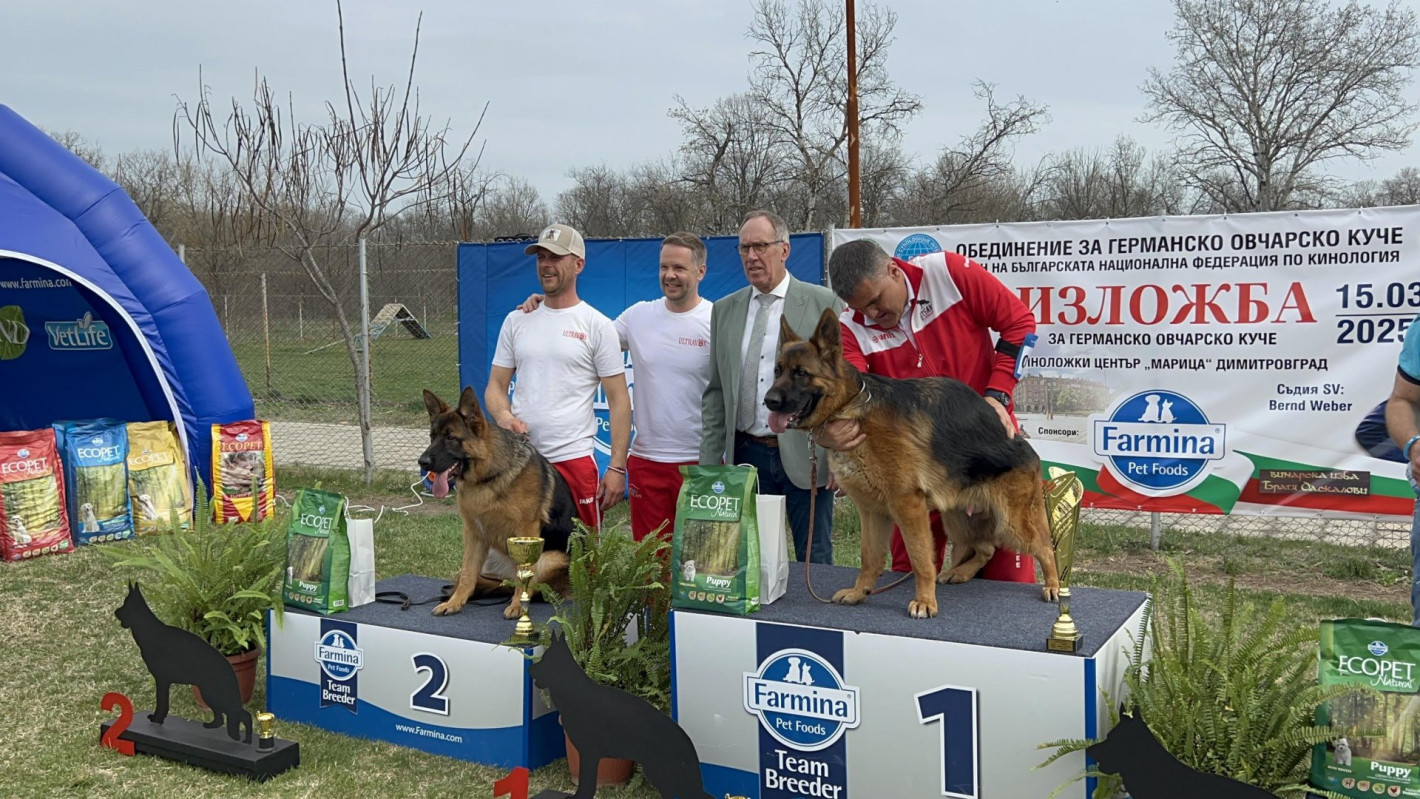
[932,444]
[505,489]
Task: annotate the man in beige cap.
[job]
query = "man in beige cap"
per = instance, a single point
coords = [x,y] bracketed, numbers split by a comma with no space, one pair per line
[561,352]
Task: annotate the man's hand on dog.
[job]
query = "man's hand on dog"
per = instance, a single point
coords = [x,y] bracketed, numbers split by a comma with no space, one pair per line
[1004,415]
[840,435]
[513,423]
[611,489]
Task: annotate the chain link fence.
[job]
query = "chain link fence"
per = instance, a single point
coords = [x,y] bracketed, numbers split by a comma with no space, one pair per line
[300,363]
[300,368]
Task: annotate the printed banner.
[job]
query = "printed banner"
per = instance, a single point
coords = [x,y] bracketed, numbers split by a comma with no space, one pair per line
[1209,364]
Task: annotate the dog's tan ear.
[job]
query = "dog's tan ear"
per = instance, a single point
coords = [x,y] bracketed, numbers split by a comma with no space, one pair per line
[433,404]
[787,335]
[828,335]
[469,408]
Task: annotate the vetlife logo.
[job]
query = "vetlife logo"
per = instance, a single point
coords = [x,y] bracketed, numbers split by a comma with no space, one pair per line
[82,334]
[801,700]
[1158,442]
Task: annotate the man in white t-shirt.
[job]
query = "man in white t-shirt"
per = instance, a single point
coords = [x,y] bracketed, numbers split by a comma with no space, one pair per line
[669,340]
[560,353]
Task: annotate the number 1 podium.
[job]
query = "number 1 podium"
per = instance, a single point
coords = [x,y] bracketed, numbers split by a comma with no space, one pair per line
[831,701]
[442,684]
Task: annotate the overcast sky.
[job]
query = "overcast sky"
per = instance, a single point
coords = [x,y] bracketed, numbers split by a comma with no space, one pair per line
[572,84]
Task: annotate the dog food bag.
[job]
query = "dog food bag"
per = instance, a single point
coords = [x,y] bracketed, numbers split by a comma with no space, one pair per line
[32,517]
[95,457]
[157,478]
[243,482]
[715,545]
[317,553]
[1385,656]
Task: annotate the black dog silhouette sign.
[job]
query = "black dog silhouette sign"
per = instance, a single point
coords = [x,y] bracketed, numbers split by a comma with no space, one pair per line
[1151,772]
[177,657]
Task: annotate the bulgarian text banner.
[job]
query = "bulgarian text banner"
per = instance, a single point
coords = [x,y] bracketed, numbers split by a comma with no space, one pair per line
[1208,364]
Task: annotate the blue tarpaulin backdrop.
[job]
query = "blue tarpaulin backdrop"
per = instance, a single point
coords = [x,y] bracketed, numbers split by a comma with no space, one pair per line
[495,278]
[98,317]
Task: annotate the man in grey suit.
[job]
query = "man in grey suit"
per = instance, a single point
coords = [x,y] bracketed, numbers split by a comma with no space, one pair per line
[744,342]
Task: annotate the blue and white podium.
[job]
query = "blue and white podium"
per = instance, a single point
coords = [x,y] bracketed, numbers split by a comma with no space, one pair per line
[442,684]
[804,699]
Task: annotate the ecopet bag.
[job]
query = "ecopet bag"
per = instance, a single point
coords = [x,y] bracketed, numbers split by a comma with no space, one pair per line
[32,518]
[243,481]
[95,458]
[157,477]
[1385,656]
[317,553]
[715,546]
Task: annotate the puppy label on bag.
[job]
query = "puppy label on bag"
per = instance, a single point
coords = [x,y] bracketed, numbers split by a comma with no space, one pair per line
[1386,657]
[243,480]
[317,553]
[715,545]
[32,517]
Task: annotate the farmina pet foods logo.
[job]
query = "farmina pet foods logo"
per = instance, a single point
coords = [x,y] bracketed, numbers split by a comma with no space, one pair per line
[1159,442]
[82,334]
[801,700]
[340,661]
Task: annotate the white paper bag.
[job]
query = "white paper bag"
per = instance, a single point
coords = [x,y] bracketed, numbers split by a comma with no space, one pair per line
[361,587]
[773,521]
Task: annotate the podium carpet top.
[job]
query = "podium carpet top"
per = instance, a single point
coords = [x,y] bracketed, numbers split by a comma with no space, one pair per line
[981,612]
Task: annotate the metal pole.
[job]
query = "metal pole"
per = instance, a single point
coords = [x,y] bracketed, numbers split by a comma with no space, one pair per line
[266,332]
[182,253]
[855,200]
[301,317]
[366,434]
[1156,531]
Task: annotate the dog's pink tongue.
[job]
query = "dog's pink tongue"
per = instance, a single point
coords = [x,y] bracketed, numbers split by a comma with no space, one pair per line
[778,421]
[440,482]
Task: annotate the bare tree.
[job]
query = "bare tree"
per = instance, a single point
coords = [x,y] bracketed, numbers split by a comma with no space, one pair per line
[732,156]
[597,204]
[1401,189]
[800,76]
[513,208]
[375,157]
[78,145]
[1117,183]
[1264,91]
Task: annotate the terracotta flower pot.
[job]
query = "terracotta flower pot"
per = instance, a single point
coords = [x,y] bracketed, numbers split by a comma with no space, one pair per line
[245,667]
[610,771]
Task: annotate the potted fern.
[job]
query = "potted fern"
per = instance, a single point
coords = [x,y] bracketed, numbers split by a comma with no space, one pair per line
[1236,697]
[215,581]
[616,621]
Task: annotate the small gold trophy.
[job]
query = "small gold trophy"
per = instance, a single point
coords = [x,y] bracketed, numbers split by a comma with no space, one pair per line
[1063,493]
[524,552]
[265,723]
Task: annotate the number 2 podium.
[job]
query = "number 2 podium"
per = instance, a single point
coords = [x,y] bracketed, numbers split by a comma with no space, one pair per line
[829,701]
[440,684]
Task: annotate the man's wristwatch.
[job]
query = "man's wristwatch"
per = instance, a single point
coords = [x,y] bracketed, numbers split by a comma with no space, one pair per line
[998,395]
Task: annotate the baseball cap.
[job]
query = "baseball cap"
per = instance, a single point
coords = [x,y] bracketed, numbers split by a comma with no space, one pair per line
[559,240]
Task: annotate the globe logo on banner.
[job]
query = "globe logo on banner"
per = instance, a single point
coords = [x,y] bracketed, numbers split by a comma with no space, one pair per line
[1159,442]
[801,700]
[338,655]
[915,245]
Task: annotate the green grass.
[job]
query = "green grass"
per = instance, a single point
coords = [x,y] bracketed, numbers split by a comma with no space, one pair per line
[62,650]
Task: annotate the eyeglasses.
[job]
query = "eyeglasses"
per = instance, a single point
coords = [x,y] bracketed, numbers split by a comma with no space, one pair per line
[758,246]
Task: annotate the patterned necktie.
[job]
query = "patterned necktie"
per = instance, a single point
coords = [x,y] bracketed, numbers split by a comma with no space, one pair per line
[749,374]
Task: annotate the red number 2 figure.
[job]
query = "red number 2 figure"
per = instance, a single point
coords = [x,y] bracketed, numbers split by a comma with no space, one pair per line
[117,701]
[515,785]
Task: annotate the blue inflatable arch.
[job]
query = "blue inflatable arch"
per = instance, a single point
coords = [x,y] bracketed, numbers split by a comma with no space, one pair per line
[98,316]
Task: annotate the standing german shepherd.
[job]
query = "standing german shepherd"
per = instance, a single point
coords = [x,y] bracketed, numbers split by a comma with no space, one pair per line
[505,489]
[932,444]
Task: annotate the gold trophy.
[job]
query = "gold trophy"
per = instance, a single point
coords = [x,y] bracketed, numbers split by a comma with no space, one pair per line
[524,552]
[265,723]
[1063,493]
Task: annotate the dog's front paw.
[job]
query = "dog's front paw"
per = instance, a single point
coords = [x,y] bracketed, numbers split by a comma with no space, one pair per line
[922,608]
[1050,593]
[448,608]
[850,596]
[512,611]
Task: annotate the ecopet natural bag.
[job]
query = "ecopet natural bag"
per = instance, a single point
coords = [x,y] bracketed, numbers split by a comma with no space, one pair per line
[317,553]
[157,477]
[32,518]
[95,457]
[715,546]
[243,482]
[1385,656]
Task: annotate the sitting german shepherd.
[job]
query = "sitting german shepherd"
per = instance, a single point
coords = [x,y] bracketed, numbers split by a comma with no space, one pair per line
[505,489]
[932,444]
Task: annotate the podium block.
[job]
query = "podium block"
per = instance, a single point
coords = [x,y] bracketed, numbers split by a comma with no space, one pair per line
[830,701]
[442,684]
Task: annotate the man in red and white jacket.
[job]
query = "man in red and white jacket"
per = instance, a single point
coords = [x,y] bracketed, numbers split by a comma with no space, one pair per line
[931,316]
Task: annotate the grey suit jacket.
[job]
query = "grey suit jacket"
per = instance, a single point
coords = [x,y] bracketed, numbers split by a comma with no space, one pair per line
[803,304]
